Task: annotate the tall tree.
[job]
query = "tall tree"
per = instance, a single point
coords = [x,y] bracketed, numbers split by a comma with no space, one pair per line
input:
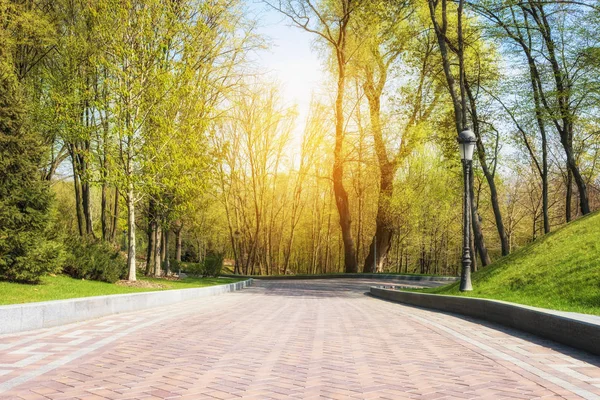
[330,22]
[26,253]
[462,96]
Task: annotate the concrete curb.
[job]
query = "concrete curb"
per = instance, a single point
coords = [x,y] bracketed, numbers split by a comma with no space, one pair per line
[24,317]
[576,330]
[392,277]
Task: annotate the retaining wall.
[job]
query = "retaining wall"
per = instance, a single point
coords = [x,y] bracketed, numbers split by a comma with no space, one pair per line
[576,330]
[29,316]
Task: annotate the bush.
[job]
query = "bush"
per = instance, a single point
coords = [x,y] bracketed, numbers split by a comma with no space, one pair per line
[27,257]
[93,260]
[213,264]
[196,269]
[26,249]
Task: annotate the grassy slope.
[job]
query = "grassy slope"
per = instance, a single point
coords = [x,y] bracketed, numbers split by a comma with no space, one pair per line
[63,287]
[559,271]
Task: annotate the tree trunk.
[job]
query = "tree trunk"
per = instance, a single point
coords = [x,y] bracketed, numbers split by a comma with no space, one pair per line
[496,209]
[115,217]
[87,209]
[77,186]
[158,251]
[104,212]
[579,181]
[382,241]
[569,195]
[167,262]
[479,241]
[86,196]
[341,196]
[131,234]
[178,245]
[151,234]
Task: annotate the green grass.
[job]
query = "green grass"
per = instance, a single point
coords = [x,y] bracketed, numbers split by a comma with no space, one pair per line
[63,287]
[560,271]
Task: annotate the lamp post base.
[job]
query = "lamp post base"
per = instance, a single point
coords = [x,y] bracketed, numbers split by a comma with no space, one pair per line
[465,279]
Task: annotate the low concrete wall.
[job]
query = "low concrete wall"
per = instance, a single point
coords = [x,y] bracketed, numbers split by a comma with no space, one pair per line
[582,333]
[29,316]
[392,277]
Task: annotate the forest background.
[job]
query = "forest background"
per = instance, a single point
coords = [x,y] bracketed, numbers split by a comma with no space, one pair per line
[137,136]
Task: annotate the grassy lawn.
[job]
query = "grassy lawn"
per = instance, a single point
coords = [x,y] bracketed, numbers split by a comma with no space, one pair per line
[63,287]
[559,271]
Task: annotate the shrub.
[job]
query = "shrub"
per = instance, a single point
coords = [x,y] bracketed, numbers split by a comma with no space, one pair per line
[26,249]
[196,269]
[93,260]
[213,264]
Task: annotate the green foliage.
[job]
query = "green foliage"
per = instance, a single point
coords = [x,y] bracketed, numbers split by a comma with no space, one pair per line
[210,267]
[561,271]
[213,264]
[26,254]
[191,268]
[98,261]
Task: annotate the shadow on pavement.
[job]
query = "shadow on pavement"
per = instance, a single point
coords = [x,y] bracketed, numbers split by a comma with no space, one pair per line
[328,288]
[569,351]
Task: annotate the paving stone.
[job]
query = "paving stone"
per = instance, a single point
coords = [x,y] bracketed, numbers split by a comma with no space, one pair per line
[297,339]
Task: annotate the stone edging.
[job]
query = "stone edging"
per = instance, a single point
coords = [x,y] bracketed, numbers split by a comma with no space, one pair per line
[24,317]
[566,328]
[357,276]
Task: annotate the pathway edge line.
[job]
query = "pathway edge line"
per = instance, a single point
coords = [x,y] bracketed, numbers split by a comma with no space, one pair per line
[16,318]
[570,330]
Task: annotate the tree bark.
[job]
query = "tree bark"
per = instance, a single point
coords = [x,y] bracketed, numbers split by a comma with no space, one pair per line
[104,211]
[158,251]
[382,241]
[167,261]
[479,242]
[77,187]
[131,234]
[569,194]
[115,216]
[341,196]
[151,234]
[178,244]
[86,193]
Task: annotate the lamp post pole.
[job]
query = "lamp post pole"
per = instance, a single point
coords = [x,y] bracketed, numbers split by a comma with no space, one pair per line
[465,278]
[466,142]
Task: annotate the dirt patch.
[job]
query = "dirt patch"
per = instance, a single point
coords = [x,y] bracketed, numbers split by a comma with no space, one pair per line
[141,284]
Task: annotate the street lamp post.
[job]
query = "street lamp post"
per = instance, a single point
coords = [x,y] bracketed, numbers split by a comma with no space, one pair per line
[466,144]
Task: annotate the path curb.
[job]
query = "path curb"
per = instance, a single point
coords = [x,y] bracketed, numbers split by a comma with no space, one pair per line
[576,330]
[348,276]
[24,317]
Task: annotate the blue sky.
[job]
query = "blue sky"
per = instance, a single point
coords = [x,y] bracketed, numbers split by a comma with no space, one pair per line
[291,60]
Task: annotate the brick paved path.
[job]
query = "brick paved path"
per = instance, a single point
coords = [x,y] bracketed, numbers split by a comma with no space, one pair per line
[291,340]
